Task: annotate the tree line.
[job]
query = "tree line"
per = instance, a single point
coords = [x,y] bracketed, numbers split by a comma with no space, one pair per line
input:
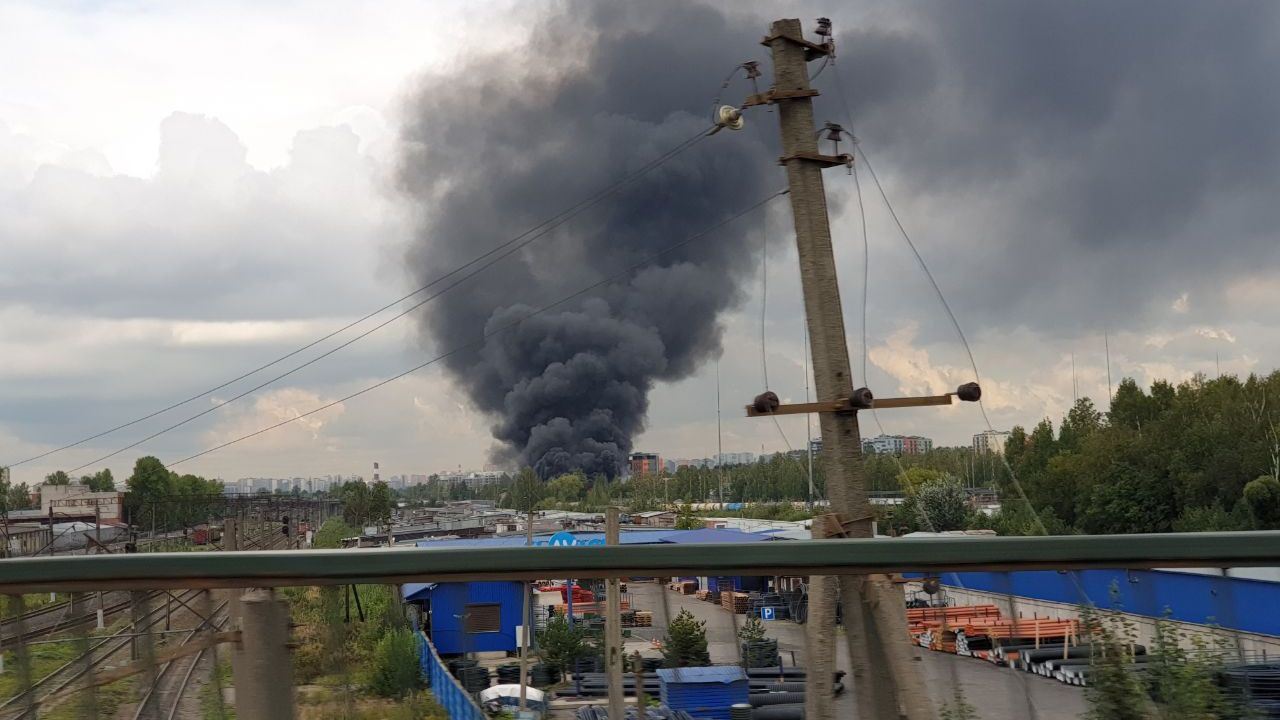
[1198,456]
[1201,455]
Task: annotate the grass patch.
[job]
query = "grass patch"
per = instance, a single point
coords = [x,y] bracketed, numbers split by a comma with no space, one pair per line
[211,705]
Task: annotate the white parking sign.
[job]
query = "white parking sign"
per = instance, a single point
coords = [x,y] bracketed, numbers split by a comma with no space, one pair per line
[766,613]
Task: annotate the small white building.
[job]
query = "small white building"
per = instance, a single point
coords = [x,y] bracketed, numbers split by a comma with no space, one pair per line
[78,501]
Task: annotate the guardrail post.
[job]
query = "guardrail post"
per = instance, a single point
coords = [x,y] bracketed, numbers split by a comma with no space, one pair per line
[22,658]
[260,662]
[88,700]
[612,625]
[142,644]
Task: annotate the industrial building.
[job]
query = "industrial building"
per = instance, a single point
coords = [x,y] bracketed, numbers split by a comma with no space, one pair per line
[462,618]
[642,463]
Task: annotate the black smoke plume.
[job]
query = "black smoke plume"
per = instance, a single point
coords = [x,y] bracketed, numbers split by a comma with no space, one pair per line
[508,139]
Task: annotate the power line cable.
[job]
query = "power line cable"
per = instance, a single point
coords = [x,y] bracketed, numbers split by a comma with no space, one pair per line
[510,250]
[533,233]
[858,150]
[496,331]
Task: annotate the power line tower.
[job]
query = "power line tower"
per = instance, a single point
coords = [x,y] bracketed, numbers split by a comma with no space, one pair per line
[887,681]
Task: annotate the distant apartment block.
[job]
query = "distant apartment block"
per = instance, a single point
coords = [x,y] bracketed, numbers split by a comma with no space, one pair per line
[897,445]
[990,441]
[740,458]
[474,478]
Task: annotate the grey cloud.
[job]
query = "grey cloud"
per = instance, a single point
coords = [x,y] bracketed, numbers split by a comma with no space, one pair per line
[1122,150]
[207,237]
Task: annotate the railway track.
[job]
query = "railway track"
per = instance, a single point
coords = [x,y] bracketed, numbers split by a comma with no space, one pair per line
[23,703]
[173,677]
[55,618]
[171,680]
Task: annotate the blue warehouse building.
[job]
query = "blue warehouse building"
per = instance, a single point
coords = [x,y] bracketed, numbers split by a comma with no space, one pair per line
[468,617]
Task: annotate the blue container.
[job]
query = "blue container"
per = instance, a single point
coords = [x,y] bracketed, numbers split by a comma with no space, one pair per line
[703,692]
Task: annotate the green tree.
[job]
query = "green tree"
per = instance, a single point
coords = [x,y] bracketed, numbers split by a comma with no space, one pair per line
[943,505]
[356,503]
[686,520]
[1262,497]
[914,478]
[752,631]
[567,488]
[561,644]
[1128,500]
[59,477]
[686,642]
[331,534]
[1213,518]
[1082,420]
[101,481]
[380,503]
[526,491]
[149,484]
[13,497]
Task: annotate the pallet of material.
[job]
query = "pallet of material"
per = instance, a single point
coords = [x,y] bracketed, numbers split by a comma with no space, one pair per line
[644,618]
[734,602]
[686,587]
[951,613]
[587,608]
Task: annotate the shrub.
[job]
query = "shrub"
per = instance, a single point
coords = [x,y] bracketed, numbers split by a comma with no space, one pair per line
[395,671]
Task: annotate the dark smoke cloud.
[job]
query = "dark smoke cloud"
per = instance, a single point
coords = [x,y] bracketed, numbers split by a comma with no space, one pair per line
[506,140]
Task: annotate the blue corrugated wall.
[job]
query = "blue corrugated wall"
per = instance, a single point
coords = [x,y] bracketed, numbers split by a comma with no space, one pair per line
[444,687]
[448,603]
[705,699]
[1234,603]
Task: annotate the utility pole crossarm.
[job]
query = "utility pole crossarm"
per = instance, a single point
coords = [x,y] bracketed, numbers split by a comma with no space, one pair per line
[767,403]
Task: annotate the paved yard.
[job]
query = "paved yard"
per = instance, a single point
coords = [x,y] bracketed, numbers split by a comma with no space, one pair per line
[998,693]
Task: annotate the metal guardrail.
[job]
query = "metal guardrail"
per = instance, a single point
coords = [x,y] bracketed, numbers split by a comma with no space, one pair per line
[816,557]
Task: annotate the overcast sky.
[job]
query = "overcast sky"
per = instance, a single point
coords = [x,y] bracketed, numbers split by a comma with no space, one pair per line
[189,190]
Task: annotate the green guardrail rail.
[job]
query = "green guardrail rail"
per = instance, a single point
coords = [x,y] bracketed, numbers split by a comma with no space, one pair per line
[779,557]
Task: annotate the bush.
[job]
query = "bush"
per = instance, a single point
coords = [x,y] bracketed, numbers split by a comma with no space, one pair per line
[395,671]
[1263,498]
[686,643]
[1114,691]
[331,533]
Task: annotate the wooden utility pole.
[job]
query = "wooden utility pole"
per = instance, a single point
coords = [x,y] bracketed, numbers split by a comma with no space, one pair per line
[613,625]
[887,684]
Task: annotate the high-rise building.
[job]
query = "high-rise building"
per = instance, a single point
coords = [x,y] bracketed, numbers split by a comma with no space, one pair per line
[990,441]
[641,463]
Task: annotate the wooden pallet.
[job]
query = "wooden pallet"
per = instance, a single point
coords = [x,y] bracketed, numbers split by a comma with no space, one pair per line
[734,602]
